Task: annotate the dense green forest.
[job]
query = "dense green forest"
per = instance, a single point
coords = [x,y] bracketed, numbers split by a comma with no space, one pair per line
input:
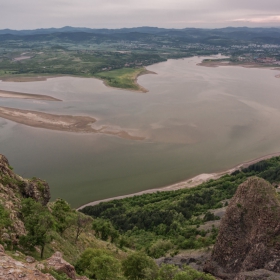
[171,221]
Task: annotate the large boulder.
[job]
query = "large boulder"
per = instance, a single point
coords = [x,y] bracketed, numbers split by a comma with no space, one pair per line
[249,235]
[57,263]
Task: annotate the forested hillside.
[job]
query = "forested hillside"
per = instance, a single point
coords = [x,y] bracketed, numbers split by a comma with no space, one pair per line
[172,221]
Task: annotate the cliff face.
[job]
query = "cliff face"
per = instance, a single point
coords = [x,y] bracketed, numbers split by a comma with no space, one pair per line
[13,188]
[249,236]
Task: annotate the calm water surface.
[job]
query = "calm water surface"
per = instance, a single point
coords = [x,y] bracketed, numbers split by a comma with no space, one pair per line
[195,120]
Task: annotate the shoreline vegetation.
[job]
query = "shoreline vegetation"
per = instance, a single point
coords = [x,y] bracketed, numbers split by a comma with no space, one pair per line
[67,123]
[189,183]
[124,78]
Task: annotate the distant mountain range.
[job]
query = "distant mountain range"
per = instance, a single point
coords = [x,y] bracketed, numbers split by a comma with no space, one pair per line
[144,29]
[186,35]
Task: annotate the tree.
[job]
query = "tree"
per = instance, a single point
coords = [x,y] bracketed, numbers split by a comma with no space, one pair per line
[168,271]
[82,222]
[136,265]
[38,222]
[105,229]
[63,215]
[173,272]
[98,264]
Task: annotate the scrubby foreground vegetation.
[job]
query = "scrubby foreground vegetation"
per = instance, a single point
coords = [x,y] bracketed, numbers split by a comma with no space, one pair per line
[122,238]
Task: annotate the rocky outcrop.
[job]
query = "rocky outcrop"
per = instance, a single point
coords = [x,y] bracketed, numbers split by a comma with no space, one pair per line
[37,189]
[249,236]
[57,263]
[194,259]
[260,274]
[11,269]
[13,188]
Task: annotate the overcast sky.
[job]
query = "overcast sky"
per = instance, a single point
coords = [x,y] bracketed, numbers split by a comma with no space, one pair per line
[31,14]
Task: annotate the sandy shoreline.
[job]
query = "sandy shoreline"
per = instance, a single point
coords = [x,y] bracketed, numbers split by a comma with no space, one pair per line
[22,79]
[78,124]
[145,72]
[213,64]
[189,183]
[22,95]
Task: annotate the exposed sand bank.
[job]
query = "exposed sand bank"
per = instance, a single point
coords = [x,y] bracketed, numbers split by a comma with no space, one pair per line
[78,124]
[18,79]
[145,72]
[245,65]
[190,183]
[21,95]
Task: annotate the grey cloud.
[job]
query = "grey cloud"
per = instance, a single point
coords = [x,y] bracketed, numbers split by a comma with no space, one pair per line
[19,14]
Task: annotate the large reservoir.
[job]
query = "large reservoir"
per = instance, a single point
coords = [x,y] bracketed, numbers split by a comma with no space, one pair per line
[194,120]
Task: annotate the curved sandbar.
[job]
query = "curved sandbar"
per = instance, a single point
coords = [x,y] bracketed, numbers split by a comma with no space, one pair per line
[21,95]
[190,183]
[78,124]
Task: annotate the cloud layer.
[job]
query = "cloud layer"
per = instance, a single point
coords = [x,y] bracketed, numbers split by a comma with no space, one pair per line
[30,14]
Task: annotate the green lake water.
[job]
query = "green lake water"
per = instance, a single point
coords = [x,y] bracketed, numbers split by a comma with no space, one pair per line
[195,120]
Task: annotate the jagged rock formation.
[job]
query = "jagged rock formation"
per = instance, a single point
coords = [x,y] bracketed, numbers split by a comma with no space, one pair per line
[11,269]
[57,263]
[13,188]
[248,244]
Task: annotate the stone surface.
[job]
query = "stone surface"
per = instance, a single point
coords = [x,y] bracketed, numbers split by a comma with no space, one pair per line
[57,263]
[249,235]
[195,259]
[11,269]
[2,250]
[12,189]
[29,259]
[260,274]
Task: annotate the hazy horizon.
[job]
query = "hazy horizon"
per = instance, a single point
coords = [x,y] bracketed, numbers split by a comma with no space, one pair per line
[144,26]
[176,14]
